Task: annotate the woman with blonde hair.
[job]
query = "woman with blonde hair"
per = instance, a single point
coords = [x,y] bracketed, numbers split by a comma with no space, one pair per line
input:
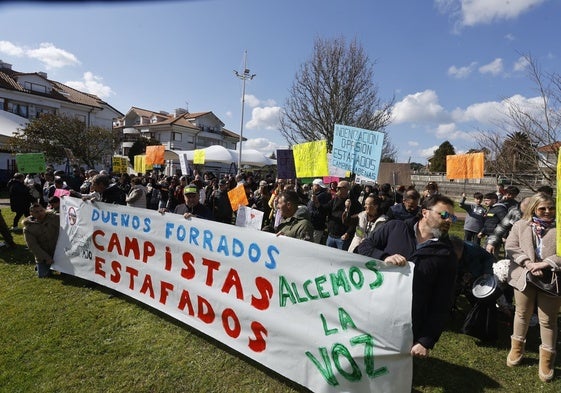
[531,248]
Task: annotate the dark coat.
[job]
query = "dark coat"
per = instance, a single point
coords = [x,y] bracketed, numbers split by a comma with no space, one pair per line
[20,197]
[434,276]
[113,194]
[493,217]
[318,215]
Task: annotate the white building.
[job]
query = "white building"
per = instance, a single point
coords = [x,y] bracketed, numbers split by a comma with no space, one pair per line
[28,95]
[177,131]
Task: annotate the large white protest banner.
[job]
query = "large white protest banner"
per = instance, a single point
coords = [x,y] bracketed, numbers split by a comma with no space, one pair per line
[329,320]
[357,150]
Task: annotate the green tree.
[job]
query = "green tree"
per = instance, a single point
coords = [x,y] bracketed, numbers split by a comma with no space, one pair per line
[438,160]
[51,134]
[139,147]
[516,153]
[335,86]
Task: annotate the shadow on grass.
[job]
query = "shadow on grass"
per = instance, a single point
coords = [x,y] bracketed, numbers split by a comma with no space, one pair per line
[70,280]
[451,378]
[19,255]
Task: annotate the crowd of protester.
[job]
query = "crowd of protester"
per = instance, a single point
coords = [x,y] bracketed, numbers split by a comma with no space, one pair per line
[393,224]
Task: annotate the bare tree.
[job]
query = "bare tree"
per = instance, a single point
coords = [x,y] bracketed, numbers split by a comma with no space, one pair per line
[335,86]
[525,145]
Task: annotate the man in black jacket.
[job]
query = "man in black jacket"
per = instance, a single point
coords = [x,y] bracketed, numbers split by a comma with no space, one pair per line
[340,235]
[424,241]
[110,192]
[320,196]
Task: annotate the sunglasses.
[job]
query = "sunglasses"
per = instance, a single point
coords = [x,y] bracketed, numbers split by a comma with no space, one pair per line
[542,208]
[445,215]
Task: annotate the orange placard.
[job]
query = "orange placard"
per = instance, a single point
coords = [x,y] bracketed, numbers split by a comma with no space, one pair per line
[237,197]
[465,166]
[155,155]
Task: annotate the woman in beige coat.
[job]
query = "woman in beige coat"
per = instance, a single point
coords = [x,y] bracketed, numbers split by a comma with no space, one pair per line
[531,247]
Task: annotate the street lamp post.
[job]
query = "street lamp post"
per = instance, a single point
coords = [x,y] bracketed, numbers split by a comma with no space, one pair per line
[244,75]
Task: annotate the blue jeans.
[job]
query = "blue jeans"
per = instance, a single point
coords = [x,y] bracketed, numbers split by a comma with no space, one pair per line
[335,242]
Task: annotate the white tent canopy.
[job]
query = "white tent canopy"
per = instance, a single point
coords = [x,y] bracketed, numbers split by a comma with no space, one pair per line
[10,123]
[227,156]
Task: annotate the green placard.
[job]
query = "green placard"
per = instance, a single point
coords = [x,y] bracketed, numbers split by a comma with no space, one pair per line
[30,162]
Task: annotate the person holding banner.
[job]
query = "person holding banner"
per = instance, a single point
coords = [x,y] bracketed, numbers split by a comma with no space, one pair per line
[40,232]
[192,206]
[424,241]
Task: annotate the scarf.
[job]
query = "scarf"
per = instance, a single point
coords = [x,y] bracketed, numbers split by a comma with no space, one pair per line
[540,226]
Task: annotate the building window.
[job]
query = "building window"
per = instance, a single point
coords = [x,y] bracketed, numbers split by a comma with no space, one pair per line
[176,136]
[35,87]
[18,109]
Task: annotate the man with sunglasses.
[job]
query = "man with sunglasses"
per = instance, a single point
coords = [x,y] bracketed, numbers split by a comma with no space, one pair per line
[424,241]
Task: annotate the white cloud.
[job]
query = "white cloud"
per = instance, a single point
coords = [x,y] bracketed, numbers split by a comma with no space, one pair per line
[253,101]
[450,132]
[413,143]
[494,68]
[264,118]
[47,53]
[9,49]
[428,152]
[493,112]
[461,72]
[263,145]
[420,107]
[52,57]
[521,64]
[92,84]
[481,112]
[474,12]
[510,37]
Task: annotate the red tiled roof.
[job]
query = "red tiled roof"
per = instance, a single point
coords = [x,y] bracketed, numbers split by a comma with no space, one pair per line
[59,92]
[551,148]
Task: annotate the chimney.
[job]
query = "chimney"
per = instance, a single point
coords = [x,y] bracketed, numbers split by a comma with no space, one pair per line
[5,66]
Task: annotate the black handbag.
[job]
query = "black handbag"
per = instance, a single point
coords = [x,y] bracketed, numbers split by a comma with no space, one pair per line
[548,282]
[481,321]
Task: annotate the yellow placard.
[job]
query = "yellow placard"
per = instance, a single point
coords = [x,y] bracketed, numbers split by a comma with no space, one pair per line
[199,156]
[140,164]
[310,159]
[237,197]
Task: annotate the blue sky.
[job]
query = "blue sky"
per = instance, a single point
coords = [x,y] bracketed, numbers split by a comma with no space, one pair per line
[450,64]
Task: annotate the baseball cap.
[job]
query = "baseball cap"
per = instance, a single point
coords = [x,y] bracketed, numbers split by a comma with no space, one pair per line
[319,182]
[190,189]
[262,183]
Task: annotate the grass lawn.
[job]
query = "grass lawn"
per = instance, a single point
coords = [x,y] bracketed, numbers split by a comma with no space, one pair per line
[68,335]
